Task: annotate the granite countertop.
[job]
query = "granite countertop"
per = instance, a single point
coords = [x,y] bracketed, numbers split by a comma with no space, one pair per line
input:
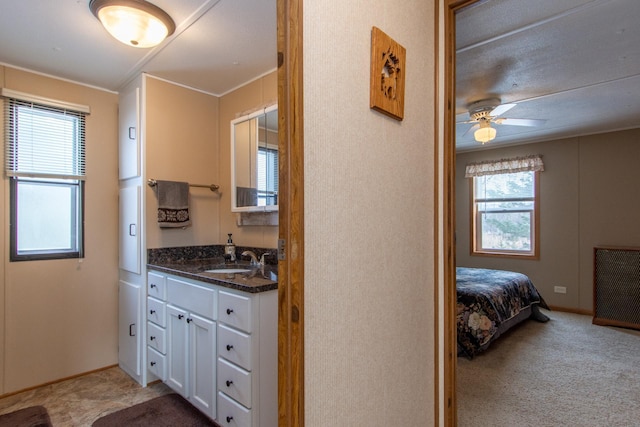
[258,279]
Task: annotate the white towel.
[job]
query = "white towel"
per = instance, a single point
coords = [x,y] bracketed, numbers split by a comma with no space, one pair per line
[173,204]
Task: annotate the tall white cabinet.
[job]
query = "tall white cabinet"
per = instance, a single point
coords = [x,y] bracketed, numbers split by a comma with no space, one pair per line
[132,271]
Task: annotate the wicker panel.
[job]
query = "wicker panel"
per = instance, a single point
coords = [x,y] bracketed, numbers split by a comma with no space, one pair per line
[617,287]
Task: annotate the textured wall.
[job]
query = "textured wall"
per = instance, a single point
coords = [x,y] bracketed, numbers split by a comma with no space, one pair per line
[369,220]
[61,316]
[588,196]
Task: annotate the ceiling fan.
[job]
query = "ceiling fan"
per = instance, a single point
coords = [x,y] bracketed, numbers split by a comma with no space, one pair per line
[485,112]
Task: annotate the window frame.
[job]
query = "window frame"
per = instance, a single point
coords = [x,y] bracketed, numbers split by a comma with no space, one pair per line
[16,175]
[476,250]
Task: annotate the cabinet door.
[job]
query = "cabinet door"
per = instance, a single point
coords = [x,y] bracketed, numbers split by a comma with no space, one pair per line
[129,328]
[129,229]
[202,366]
[129,146]
[177,359]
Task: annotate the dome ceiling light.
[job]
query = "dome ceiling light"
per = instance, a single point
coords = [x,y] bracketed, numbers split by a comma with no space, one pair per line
[136,23]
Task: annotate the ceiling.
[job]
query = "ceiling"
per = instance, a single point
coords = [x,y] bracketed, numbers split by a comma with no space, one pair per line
[218,45]
[573,63]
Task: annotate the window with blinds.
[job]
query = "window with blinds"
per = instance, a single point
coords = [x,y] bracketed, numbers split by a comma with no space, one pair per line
[267,176]
[45,160]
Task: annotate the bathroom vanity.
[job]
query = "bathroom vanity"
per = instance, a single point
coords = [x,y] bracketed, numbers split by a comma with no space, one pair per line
[212,337]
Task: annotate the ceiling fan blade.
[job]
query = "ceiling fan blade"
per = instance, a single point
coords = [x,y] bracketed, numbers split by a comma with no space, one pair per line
[501,109]
[519,122]
[474,127]
[466,121]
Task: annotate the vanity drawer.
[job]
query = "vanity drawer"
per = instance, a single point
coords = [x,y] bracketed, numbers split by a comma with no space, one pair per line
[156,311]
[235,382]
[198,299]
[157,285]
[156,363]
[235,346]
[235,310]
[156,337]
[231,413]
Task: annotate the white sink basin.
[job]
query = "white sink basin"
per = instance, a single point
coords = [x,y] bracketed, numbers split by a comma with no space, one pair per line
[228,270]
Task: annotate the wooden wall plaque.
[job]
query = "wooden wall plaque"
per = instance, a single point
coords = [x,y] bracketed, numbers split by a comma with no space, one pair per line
[387,75]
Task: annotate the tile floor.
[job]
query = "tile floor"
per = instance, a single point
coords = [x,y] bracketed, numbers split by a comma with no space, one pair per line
[80,401]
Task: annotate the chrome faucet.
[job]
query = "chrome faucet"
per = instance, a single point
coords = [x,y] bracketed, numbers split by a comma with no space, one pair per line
[254,258]
[262,261]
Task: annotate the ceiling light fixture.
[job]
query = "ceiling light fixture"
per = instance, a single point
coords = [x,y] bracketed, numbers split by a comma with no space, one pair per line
[485,133]
[136,23]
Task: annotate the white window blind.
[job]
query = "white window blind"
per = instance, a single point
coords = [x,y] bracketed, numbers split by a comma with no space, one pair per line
[43,141]
[267,175]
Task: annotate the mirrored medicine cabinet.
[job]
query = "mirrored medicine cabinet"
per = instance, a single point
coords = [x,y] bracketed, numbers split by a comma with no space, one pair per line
[254,161]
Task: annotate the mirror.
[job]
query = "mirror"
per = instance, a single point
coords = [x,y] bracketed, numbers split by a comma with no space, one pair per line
[254,161]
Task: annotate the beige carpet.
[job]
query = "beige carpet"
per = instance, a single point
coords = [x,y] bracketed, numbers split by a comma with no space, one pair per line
[566,372]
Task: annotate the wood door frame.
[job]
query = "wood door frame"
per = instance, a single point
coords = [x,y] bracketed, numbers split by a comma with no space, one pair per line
[290,216]
[448,200]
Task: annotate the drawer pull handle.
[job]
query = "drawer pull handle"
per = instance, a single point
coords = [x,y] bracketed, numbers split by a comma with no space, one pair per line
[153,286]
[152,338]
[229,347]
[229,419]
[180,316]
[153,363]
[229,311]
[152,311]
[189,320]
[229,383]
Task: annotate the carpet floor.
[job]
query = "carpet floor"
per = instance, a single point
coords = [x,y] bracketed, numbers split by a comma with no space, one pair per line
[567,372]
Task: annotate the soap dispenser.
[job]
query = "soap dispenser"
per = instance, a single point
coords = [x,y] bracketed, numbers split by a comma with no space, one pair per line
[230,249]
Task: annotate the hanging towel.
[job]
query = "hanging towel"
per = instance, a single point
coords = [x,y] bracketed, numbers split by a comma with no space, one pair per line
[173,204]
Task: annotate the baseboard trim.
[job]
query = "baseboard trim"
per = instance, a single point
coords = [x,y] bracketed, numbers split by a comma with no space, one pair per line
[58,381]
[571,310]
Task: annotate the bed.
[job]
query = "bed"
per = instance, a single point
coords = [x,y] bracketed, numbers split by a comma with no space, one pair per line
[489,303]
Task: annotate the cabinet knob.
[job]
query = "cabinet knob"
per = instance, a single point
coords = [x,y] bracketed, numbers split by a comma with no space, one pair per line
[180,316]
[189,320]
[153,286]
[229,311]
[229,419]
[153,363]
[152,311]
[152,338]
[229,383]
[229,347]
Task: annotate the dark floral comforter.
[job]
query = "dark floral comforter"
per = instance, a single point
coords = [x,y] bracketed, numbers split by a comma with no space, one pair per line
[486,299]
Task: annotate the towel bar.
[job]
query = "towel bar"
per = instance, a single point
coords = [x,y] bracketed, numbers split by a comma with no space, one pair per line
[152,183]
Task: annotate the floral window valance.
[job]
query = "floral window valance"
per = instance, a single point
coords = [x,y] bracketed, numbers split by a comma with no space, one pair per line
[516,164]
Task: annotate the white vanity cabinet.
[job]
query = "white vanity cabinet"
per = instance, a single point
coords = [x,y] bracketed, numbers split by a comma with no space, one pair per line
[247,358]
[191,342]
[156,325]
[215,346]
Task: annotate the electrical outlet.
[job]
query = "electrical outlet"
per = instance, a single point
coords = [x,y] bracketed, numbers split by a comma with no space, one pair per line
[560,289]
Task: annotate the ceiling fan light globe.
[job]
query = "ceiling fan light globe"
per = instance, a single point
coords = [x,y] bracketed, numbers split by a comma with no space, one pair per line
[484,134]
